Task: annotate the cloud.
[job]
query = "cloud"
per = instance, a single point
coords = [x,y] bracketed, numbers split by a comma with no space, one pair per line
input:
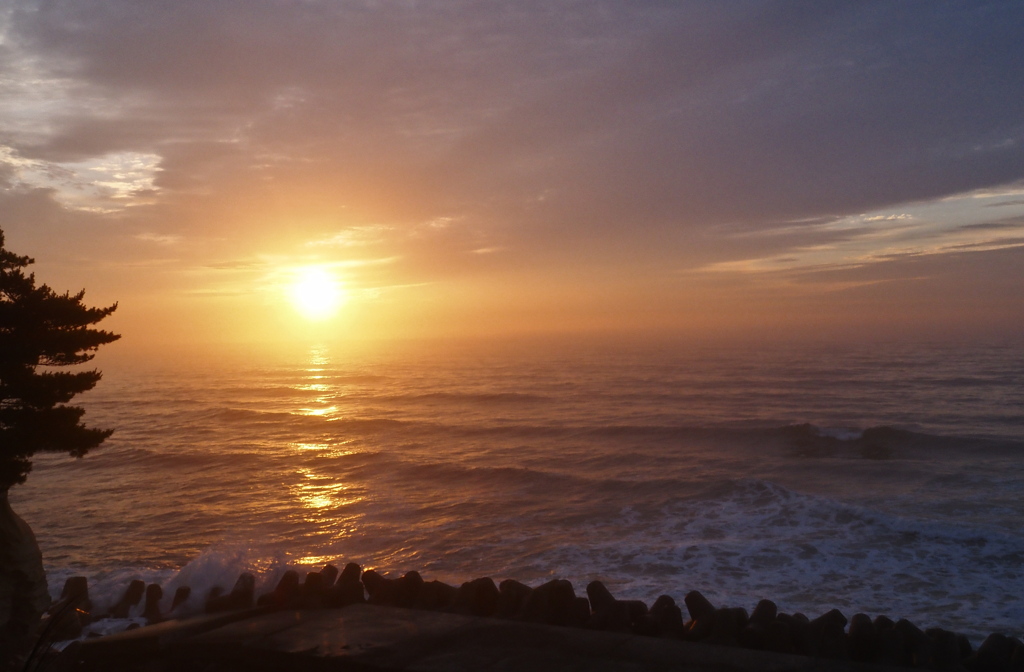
[888,218]
[662,115]
[355,236]
[7,175]
[159,238]
[656,136]
[1003,204]
[1011,223]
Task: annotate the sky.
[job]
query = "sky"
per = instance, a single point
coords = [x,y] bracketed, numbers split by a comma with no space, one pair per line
[464,169]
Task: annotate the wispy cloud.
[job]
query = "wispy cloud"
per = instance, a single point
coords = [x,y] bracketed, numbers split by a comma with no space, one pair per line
[888,218]
[159,238]
[354,236]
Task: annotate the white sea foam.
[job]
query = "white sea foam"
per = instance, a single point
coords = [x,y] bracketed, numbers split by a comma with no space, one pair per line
[808,554]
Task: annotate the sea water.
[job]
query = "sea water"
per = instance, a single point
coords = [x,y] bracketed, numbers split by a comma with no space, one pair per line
[877,479]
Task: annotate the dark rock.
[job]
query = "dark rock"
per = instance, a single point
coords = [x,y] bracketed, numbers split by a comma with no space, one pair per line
[565,605]
[286,593]
[76,590]
[535,605]
[755,634]
[131,597]
[1017,657]
[478,597]
[729,622]
[312,594]
[805,642]
[697,630]
[764,613]
[351,572]
[67,626]
[329,574]
[829,630]
[613,616]
[346,591]
[245,588]
[551,603]
[945,650]
[407,588]
[599,595]
[668,616]
[698,606]
[832,622]
[916,644]
[607,613]
[151,611]
[580,611]
[997,647]
[640,621]
[289,583]
[890,649]
[778,636]
[181,596]
[637,609]
[77,587]
[24,594]
[862,638]
[379,590]
[645,626]
[702,617]
[313,584]
[511,598]
[435,596]
[965,646]
[632,613]
[993,655]
[240,597]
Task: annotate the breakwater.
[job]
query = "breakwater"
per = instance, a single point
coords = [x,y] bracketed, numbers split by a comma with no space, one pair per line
[831,635]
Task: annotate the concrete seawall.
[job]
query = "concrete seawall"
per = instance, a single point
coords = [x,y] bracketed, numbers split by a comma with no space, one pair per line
[351,619]
[377,638]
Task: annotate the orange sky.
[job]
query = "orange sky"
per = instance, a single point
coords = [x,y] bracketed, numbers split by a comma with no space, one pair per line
[468,169]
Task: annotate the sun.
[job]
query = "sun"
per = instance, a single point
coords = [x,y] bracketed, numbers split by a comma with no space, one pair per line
[316,293]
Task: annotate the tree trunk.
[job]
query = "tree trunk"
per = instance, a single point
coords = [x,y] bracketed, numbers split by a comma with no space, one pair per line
[23,592]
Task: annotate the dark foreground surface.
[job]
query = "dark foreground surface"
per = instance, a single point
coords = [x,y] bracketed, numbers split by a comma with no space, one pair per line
[370,637]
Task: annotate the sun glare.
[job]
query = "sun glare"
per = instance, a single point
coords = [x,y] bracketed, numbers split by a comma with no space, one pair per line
[316,293]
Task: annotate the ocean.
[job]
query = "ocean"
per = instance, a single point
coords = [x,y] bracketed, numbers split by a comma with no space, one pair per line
[876,479]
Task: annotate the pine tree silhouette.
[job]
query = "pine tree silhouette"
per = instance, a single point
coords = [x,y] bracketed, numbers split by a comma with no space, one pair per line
[41,330]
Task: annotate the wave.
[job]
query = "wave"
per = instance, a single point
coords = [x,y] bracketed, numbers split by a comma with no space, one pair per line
[224,418]
[238,415]
[799,440]
[375,425]
[479,397]
[377,467]
[273,392]
[882,442]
